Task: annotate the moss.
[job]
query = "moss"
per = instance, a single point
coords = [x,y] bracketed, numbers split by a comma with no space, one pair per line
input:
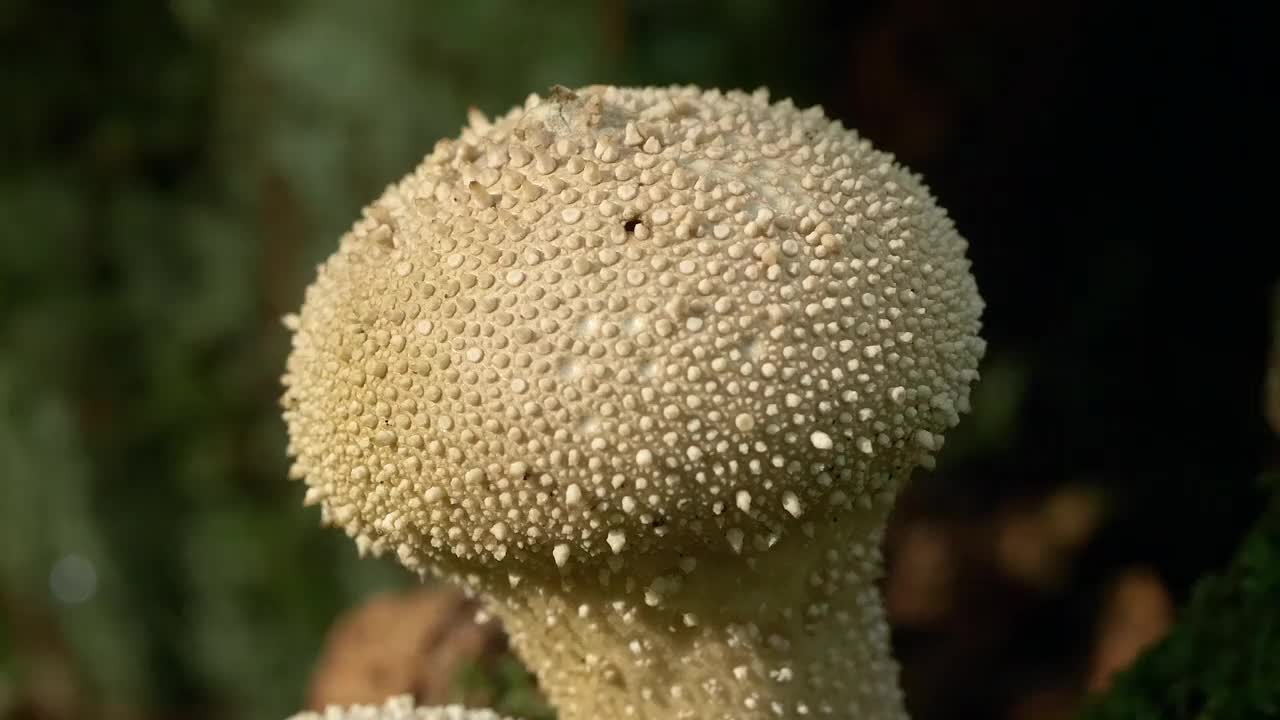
[1222,660]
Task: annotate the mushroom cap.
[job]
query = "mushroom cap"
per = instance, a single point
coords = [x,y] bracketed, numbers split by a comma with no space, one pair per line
[397,708]
[624,322]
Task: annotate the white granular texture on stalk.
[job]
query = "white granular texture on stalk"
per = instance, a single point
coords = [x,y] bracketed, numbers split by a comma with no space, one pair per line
[397,708]
[645,367]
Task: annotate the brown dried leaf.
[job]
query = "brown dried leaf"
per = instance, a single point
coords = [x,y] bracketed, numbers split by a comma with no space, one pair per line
[414,642]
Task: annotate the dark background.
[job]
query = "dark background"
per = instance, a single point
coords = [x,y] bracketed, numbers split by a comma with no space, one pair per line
[171,172]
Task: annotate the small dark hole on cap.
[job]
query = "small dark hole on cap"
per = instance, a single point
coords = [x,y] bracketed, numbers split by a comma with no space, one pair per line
[630,225]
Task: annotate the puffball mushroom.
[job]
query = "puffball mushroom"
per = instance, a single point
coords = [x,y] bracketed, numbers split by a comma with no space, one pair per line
[644,368]
[397,708]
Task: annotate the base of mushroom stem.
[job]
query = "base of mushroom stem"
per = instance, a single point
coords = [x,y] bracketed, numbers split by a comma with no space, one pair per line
[795,632]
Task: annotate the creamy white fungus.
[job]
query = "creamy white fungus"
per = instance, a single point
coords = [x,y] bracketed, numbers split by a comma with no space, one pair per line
[659,354]
[397,708]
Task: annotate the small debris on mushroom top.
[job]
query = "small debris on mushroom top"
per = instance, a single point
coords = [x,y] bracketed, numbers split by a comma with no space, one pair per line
[621,323]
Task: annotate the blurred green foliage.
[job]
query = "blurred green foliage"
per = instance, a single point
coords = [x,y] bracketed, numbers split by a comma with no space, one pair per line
[506,687]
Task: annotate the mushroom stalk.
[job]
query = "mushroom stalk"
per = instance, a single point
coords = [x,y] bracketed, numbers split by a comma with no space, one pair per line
[798,631]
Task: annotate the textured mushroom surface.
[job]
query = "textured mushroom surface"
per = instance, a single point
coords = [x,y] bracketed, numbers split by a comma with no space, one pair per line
[645,368]
[397,708]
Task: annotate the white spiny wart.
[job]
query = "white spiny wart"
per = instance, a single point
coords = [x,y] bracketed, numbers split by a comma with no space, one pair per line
[397,708]
[645,368]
